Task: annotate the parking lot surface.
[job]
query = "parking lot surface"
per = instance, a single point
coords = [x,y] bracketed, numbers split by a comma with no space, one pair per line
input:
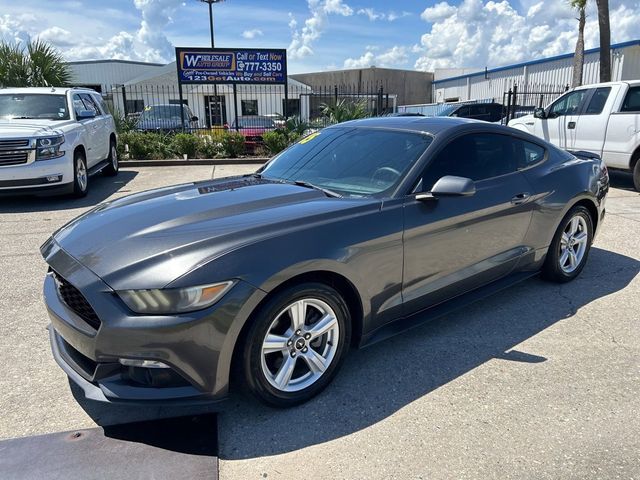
[540,381]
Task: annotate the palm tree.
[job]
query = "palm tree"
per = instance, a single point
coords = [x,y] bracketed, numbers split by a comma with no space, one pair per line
[578,58]
[36,64]
[345,110]
[605,40]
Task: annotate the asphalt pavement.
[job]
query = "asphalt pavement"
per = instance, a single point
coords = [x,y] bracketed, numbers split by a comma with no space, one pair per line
[541,381]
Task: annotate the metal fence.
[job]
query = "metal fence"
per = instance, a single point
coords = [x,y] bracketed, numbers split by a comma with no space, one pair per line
[520,102]
[155,107]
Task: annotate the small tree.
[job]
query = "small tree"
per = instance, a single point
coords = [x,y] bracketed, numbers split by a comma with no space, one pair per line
[36,64]
[578,58]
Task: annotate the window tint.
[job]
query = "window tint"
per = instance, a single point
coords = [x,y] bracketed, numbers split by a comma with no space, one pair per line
[597,101]
[532,153]
[78,104]
[477,156]
[568,104]
[632,100]
[462,112]
[351,161]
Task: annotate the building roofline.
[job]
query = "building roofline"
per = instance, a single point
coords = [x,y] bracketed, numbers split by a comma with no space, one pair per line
[630,43]
[372,67]
[130,62]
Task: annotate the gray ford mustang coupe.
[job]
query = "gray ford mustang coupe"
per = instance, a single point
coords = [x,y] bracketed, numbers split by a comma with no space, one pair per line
[355,233]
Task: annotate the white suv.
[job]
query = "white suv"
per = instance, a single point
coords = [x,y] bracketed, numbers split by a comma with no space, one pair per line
[53,139]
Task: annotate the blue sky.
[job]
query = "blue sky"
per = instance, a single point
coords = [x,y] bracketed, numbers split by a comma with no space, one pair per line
[319,34]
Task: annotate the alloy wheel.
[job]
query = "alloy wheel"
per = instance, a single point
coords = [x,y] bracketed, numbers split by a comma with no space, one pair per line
[81,174]
[300,345]
[573,244]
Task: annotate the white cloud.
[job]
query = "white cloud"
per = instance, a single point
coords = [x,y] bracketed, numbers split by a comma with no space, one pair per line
[479,33]
[394,57]
[374,15]
[303,39]
[58,37]
[253,33]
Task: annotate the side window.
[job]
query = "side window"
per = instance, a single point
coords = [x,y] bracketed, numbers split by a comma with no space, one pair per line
[249,107]
[568,104]
[99,101]
[477,156]
[597,101]
[90,104]
[78,105]
[632,100]
[531,153]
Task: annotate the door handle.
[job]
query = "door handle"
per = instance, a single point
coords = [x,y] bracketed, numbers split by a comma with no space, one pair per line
[520,198]
[571,125]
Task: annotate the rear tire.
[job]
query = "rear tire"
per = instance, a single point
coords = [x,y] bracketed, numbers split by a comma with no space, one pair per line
[570,247]
[296,344]
[636,175]
[111,170]
[80,175]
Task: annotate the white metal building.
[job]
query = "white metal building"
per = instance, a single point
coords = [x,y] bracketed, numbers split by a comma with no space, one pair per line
[547,73]
[102,75]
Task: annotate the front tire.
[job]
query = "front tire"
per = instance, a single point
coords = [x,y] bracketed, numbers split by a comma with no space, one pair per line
[80,176]
[111,170]
[296,344]
[570,247]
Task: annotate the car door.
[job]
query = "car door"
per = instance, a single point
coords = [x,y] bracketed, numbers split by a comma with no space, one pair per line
[90,130]
[102,125]
[456,244]
[561,119]
[591,128]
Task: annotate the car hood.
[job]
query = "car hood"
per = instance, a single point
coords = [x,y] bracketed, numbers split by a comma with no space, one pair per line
[30,128]
[149,239]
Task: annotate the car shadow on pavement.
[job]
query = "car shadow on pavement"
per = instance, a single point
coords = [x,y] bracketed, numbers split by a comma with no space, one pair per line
[621,180]
[376,382]
[100,188]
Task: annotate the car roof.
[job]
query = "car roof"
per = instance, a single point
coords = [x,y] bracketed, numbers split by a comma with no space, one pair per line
[432,125]
[46,90]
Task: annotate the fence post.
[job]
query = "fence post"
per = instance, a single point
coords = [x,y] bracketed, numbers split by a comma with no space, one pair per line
[181,104]
[335,94]
[509,94]
[235,106]
[285,109]
[124,101]
[380,96]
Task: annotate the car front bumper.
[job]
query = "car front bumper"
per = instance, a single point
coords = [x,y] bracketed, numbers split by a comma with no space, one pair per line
[197,347]
[43,176]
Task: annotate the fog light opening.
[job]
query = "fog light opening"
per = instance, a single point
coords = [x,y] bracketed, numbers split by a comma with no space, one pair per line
[142,363]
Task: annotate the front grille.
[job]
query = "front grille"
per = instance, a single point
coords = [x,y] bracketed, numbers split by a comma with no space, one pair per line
[76,301]
[13,158]
[14,143]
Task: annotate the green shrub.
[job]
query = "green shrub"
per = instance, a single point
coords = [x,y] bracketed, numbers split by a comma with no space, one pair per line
[187,144]
[233,144]
[146,145]
[275,141]
[209,149]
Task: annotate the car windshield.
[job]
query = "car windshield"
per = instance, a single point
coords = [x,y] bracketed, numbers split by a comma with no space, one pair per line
[350,161]
[255,122]
[447,111]
[171,112]
[34,106]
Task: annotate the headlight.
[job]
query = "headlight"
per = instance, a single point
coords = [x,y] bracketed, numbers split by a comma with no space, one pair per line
[49,147]
[174,300]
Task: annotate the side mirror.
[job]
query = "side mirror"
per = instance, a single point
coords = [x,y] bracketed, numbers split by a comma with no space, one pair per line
[450,186]
[85,114]
[539,113]
[194,119]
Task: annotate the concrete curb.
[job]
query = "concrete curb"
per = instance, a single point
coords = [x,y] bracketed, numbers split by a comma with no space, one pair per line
[199,161]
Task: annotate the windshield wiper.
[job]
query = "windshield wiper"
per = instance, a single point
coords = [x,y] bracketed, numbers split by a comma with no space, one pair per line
[327,192]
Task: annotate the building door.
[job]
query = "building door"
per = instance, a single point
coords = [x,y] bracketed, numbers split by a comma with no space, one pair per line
[215,110]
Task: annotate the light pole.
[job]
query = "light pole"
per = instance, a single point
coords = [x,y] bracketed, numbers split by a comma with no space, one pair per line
[211,2]
[217,101]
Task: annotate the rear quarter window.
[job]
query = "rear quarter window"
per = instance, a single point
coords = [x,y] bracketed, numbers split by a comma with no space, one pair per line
[632,100]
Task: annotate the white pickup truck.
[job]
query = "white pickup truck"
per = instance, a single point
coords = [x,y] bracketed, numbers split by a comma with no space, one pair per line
[53,139]
[603,119]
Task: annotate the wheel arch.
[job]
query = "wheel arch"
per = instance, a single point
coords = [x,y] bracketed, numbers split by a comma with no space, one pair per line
[635,156]
[80,148]
[333,279]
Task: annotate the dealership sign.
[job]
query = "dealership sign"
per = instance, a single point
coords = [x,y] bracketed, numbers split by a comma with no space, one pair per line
[231,65]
